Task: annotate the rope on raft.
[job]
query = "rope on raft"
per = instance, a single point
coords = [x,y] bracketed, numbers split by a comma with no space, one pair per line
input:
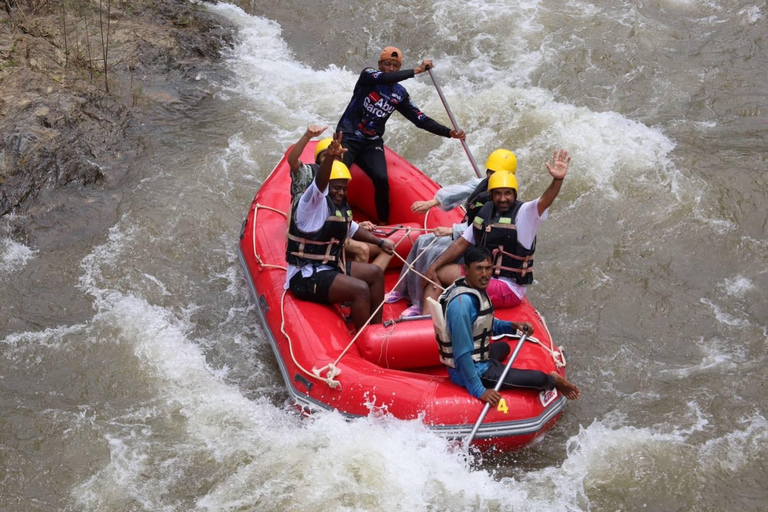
[263,265]
[557,355]
[332,370]
[314,374]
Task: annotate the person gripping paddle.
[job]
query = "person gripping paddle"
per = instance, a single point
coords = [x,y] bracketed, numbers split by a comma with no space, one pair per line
[376,96]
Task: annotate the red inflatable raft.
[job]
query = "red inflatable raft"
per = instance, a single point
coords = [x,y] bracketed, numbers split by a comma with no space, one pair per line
[392,366]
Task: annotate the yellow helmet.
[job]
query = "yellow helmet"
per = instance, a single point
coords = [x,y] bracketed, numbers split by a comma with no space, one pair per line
[502,179]
[502,160]
[339,171]
[322,145]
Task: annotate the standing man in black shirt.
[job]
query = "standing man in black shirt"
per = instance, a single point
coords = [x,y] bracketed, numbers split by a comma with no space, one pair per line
[377,94]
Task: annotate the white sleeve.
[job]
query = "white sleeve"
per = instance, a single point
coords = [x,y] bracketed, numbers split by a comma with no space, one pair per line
[528,222]
[469,235]
[353,226]
[312,209]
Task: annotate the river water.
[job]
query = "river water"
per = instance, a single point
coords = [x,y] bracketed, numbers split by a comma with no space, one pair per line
[135,376]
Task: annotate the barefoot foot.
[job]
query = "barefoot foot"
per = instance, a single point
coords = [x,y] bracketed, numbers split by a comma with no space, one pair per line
[570,391]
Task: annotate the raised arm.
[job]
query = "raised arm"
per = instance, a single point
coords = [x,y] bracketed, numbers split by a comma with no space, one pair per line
[557,170]
[294,156]
[334,152]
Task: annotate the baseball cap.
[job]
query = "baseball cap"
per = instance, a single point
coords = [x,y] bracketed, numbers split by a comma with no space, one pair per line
[391,53]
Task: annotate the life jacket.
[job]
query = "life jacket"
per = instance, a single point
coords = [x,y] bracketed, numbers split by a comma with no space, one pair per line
[322,246]
[482,328]
[499,234]
[475,201]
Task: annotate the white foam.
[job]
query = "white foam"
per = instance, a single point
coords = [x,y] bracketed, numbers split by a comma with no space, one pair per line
[601,279]
[263,59]
[718,354]
[105,258]
[737,286]
[735,450]
[719,225]
[50,338]
[239,153]
[606,453]
[14,255]
[160,285]
[724,317]
[751,14]
[701,424]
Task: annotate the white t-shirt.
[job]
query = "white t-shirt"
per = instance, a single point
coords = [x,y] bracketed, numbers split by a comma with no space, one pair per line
[311,214]
[528,223]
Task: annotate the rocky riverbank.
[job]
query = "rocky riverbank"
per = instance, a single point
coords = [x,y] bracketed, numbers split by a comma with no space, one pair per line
[65,119]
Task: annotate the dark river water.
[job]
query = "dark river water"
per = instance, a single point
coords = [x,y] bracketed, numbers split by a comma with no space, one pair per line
[134,375]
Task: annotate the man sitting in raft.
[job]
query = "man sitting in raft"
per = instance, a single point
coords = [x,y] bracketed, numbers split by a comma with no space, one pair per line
[376,96]
[465,340]
[301,177]
[320,222]
[474,194]
[508,228]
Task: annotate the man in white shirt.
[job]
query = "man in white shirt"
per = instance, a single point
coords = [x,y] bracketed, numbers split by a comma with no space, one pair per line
[474,194]
[320,222]
[508,228]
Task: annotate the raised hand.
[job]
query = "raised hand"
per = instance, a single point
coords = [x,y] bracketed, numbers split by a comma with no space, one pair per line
[335,150]
[315,130]
[559,167]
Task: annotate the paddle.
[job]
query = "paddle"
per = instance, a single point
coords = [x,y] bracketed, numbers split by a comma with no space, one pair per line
[497,387]
[453,122]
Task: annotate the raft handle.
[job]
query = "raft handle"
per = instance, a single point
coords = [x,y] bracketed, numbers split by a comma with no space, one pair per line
[304,380]
[389,233]
[242,228]
[405,319]
[263,304]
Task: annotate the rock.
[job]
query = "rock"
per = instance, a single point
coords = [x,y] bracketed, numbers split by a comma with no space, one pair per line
[58,124]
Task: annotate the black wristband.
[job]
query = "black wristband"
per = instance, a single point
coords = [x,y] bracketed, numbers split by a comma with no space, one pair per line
[558,179]
[381,242]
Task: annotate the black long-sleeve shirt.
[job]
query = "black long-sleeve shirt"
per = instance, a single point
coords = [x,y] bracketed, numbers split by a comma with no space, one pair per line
[376,96]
